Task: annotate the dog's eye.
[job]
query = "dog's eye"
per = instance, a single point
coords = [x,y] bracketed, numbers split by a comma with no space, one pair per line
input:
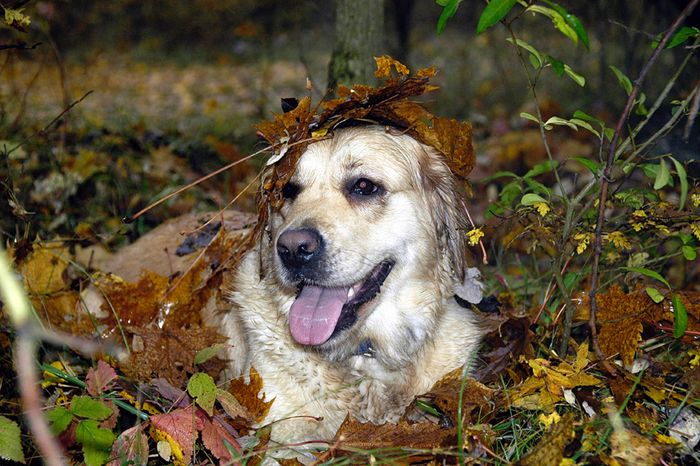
[364,187]
[291,190]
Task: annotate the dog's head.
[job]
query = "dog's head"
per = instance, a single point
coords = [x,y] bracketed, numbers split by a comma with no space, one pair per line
[371,227]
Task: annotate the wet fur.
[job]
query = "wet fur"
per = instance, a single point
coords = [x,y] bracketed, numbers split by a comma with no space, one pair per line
[418,331]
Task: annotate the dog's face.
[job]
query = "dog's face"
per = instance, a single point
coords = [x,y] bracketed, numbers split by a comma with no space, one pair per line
[370,223]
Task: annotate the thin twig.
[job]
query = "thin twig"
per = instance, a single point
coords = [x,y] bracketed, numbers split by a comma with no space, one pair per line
[24,352]
[206,177]
[19,46]
[51,123]
[605,181]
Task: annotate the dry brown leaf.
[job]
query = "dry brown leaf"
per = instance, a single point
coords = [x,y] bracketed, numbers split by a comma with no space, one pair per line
[366,436]
[249,396]
[167,353]
[476,397]
[621,316]
[549,451]
[385,64]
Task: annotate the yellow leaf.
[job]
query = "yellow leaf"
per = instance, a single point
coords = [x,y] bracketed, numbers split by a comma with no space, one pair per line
[43,270]
[384,65]
[16,19]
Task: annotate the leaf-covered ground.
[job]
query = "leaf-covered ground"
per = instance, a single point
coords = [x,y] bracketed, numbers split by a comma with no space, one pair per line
[150,128]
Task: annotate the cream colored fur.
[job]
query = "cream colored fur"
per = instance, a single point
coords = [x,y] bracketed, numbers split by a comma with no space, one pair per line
[418,331]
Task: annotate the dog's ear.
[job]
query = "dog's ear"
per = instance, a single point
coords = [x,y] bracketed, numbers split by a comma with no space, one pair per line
[447,202]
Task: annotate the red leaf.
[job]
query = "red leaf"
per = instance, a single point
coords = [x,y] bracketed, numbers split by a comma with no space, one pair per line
[101,379]
[214,436]
[182,425]
[130,447]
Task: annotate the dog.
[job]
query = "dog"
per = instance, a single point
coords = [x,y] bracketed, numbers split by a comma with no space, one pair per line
[348,303]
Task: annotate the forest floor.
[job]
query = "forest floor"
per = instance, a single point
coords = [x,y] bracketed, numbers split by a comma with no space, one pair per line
[141,130]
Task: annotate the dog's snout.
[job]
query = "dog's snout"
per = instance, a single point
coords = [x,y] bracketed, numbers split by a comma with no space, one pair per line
[298,248]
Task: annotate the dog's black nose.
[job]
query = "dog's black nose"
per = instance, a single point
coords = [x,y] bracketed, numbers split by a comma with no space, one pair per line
[298,248]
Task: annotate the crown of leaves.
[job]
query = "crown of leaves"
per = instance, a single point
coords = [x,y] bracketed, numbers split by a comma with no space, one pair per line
[388,104]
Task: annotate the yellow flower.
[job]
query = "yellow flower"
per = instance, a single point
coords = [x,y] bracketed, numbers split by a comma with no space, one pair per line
[695,199]
[695,228]
[474,236]
[584,239]
[618,239]
[695,362]
[548,419]
[542,208]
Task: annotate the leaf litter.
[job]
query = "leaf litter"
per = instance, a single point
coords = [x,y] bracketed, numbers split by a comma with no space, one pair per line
[175,408]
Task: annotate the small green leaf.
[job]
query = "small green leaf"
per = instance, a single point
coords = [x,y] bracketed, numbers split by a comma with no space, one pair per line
[531,199]
[534,53]
[663,176]
[649,273]
[449,10]
[84,406]
[502,174]
[557,65]
[60,419]
[585,116]
[680,316]
[689,252]
[96,442]
[683,179]
[654,294]
[679,37]
[495,11]
[570,279]
[203,389]
[594,167]
[510,192]
[586,125]
[609,133]
[529,116]
[544,167]
[207,353]
[558,121]
[537,186]
[534,62]
[622,79]
[577,78]
[10,441]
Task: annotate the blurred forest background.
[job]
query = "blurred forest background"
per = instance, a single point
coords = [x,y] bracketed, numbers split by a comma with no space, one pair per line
[175,89]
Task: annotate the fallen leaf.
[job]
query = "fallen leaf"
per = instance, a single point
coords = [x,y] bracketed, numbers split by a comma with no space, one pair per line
[44,270]
[549,451]
[216,438]
[101,379]
[249,395]
[621,316]
[131,447]
[354,435]
[181,426]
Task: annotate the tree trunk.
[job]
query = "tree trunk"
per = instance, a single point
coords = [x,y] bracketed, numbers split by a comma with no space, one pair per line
[359,28]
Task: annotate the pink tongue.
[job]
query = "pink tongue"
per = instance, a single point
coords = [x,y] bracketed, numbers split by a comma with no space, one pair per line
[315,312]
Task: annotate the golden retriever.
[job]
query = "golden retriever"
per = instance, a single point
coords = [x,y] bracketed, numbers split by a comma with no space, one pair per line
[348,303]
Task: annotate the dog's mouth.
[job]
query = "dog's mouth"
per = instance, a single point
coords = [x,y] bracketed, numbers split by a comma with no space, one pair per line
[319,313]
